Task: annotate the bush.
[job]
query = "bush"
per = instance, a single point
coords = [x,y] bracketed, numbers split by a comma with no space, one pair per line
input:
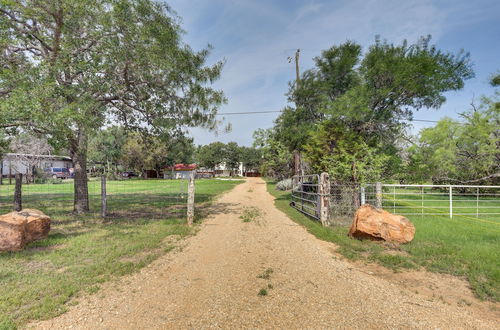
[284,185]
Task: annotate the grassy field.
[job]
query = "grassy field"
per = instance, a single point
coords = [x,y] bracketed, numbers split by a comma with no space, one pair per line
[460,246]
[474,205]
[83,252]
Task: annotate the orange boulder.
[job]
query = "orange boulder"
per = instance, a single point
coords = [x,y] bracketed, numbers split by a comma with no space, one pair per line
[20,228]
[377,224]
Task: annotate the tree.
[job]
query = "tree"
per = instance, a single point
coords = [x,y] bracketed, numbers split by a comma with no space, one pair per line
[28,151]
[459,152]
[232,156]
[133,153]
[372,97]
[250,157]
[211,155]
[106,147]
[71,67]
[344,154]
[276,157]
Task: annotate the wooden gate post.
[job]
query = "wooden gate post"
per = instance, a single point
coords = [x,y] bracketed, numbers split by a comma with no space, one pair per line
[190,200]
[18,201]
[324,199]
[378,195]
[104,200]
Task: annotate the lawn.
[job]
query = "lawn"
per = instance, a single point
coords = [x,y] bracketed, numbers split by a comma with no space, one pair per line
[480,205]
[460,246]
[82,252]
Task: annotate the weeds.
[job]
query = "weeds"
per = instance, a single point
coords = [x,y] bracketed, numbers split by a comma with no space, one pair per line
[263,292]
[250,214]
[266,274]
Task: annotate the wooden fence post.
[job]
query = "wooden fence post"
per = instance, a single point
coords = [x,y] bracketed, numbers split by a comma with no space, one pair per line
[10,174]
[18,201]
[104,200]
[1,171]
[378,195]
[190,199]
[324,199]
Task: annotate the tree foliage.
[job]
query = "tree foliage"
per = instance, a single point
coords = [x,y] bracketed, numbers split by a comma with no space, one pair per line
[459,152]
[355,107]
[70,67]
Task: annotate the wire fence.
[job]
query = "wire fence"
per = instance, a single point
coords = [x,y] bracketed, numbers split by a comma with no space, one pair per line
[133,198]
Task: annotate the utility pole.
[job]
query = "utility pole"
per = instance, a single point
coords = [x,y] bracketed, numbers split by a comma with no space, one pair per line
[297,70]
[296,154]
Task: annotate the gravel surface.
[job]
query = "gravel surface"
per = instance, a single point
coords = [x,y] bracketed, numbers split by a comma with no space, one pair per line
[214,281]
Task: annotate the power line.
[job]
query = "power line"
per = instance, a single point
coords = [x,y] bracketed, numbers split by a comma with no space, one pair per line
[279,111]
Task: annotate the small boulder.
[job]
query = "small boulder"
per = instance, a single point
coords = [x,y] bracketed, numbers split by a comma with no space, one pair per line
[377,224]
[20,228]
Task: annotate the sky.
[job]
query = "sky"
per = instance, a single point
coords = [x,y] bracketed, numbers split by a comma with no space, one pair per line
[256,37]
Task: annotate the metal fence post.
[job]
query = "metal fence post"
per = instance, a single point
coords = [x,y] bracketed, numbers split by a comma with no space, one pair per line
[477,202]
[104,200]
[324,199]
[190,200]
[451,202]
[363,196]
[378,195]
[18,200]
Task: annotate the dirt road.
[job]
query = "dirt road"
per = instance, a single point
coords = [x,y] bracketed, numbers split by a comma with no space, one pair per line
[213,282]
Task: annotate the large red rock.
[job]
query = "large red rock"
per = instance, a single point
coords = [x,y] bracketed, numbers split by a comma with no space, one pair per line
[20,228]
[377,224]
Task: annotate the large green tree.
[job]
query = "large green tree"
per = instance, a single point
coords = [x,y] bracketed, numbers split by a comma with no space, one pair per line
[70,67]
[372,95]
[466,151]
[106,147]
[210,155]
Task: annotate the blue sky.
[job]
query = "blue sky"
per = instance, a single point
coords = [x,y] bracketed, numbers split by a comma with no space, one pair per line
[255,37]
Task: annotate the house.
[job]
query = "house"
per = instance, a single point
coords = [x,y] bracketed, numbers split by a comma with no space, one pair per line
[12,164]
[179,171]
[223,170]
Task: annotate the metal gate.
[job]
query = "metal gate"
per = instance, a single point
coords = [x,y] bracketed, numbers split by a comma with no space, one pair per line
[305,194]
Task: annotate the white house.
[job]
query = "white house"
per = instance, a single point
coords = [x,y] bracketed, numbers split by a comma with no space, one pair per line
[223,170]
[19,163]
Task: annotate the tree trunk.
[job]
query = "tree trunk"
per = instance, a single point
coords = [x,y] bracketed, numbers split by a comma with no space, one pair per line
[79,157]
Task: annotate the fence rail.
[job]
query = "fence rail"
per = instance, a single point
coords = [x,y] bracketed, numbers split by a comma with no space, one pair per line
[472,201]
[305,194]
[440,200]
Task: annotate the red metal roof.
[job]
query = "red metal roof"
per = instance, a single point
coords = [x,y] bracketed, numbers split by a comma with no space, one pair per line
[183,167]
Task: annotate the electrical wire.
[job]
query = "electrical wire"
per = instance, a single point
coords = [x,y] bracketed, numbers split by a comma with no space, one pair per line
[276,111]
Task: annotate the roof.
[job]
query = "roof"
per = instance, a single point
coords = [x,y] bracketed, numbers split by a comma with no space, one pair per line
[183,167]
[39,156]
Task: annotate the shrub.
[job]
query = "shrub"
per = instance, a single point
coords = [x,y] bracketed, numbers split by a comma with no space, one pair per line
[284,184]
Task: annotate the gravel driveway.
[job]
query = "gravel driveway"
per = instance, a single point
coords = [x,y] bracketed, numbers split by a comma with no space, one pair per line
[214,281]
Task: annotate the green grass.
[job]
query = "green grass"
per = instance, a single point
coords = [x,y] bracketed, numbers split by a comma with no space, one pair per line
[82,252]
[459,246]
[466,205]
